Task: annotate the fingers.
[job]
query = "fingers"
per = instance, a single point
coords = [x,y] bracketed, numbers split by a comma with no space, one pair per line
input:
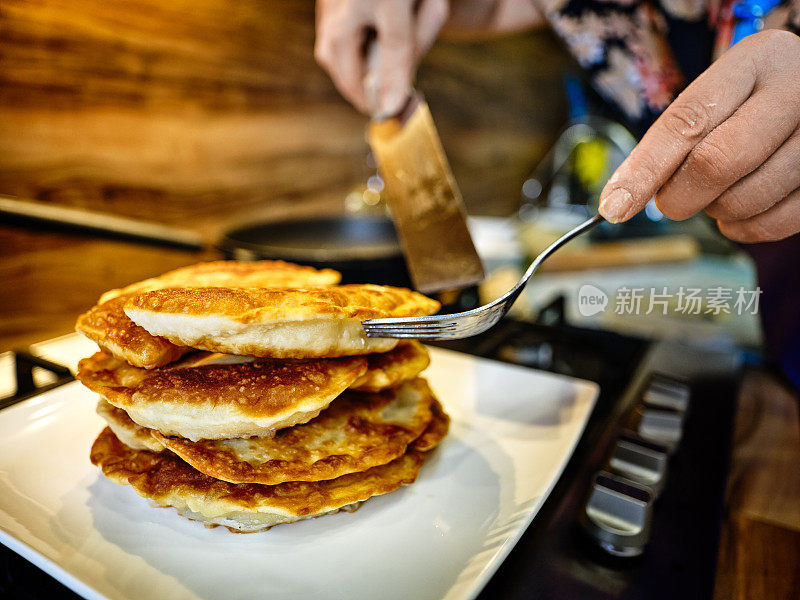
[720,129]
[707,102]
[776,223]
[338,48]
[729,152]
[396,61]
[764,187]
[431,16]
[380,83]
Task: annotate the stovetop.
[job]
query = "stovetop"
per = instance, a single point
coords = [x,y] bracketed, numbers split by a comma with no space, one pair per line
[563,554]
[559,556]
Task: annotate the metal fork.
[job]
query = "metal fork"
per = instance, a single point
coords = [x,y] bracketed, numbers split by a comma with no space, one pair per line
[471,322]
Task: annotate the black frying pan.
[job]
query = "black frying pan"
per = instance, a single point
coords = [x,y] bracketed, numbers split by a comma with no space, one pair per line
[363,249]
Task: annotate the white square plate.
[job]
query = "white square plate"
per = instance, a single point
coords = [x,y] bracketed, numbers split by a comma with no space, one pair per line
[513,432]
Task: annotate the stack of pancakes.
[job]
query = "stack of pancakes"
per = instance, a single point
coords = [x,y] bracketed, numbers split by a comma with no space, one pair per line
[246,394]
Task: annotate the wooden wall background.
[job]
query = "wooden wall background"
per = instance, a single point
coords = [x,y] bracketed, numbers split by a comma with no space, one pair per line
[204,112]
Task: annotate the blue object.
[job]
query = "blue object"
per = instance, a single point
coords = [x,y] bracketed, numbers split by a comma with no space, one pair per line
[578,106]
[749,15]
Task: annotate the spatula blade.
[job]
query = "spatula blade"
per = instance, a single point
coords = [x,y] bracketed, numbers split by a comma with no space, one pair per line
[425,202]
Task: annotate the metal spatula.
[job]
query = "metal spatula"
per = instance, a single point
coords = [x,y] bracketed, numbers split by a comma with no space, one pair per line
[424,199]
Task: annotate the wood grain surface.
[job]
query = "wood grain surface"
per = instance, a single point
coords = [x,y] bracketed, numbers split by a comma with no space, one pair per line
[760,545]
[50,278]
[207,111]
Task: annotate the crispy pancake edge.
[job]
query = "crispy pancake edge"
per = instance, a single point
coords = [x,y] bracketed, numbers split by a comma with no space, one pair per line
[126,429]
[268,273]
[389,369]
[158,403]
[167,480]
[109,327]
[378,443]
[436,430]
[258,305]
[107,324]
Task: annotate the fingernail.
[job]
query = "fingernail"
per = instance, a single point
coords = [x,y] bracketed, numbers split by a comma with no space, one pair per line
[615,206]
[392,103]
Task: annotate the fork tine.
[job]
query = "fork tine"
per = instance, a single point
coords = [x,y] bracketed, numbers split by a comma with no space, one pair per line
[430,325]
[432,321]
[449,326]
[413,326]
[450,329]
[419,336]
[406,330]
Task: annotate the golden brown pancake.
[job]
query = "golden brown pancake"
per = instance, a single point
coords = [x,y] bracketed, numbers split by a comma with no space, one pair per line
[393,368]
[127,431]
[112,330]
[276,323]
[356,432]
[232,273]
[220,401]
[389,369]
[245,507]
[436,430]
[143,438]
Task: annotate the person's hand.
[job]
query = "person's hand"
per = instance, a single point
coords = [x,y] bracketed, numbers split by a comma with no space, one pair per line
[404,30]
[729,145]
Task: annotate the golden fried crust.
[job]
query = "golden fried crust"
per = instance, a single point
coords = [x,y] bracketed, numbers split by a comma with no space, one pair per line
[251,305]
[108,326]
[436,430]
[166,479]
[128,432]
[356,432]
[232,273]
[275,323]
[219,401]
[390,369]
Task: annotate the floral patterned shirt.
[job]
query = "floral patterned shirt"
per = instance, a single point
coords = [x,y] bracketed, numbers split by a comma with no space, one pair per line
[640,54]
